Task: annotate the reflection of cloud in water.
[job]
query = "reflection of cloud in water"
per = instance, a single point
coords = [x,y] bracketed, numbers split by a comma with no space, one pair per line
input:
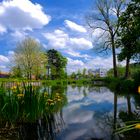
[75,134]
[86,115]
[78,116]
[95,94]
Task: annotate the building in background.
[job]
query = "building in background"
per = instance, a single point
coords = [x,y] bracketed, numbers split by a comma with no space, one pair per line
[4,75]
[98,72]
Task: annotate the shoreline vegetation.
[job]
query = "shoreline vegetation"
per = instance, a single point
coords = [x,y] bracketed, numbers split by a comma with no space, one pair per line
[115,84]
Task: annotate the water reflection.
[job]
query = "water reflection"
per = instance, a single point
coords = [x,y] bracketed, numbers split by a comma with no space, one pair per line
[95,115]
[88,113]
[44,128]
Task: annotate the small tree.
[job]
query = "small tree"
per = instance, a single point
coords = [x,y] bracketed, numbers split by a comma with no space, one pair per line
[30,58]
[84,72]
[73,75]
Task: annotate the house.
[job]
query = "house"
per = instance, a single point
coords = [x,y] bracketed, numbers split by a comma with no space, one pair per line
[4,75]
[98,72]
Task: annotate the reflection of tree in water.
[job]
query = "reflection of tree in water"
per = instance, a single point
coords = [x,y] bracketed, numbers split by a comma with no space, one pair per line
[109,122]
[73,86]
[43,129]
[97,89]
[128,117]
[79,88]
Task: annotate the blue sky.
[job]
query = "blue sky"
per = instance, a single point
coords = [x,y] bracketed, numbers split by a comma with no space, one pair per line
[58,24]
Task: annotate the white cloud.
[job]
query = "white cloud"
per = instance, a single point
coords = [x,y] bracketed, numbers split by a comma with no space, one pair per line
[97,32]
[61,40]
[2,67]
[74,65]
[57,39]
[3,62]
[20,35]
[11,53]
[100,62]
[3,59]
[92,63]
[75,27]
[77,54]
[2,29]
[22,14]
[81,43]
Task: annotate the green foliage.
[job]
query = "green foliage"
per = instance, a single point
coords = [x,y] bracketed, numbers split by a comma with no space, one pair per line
[120,70]
[29,59]
[129,31]
[136,77]
[25,102]
[73,75]
[119,84]
[57,64]
[16,72]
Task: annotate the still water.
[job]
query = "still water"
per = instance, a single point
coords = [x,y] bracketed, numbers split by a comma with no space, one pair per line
[89,113]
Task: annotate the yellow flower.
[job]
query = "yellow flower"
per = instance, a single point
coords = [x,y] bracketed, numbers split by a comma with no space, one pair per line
[52,104]
[49,101]
[13,88]
[139,89]
[58,100]
[57,94]
[137,126]
[20,95]
[45,94]
[18,83]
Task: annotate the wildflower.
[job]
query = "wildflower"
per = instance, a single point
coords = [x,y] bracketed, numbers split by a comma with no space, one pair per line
[139,89]
[45,94]
[137,126]
[20,95]
[57,94]
[13,88]
[18,83]
[51,104]
[58,100]
[49,101]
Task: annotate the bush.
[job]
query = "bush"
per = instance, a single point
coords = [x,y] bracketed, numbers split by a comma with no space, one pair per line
[136,78]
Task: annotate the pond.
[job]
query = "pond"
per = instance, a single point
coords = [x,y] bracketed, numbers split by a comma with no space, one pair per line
[67,113]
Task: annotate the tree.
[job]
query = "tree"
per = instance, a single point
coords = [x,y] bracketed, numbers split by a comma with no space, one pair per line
[73,75]
[129,34]
[16,72]
[57,64]
[120,70]
[30,58]
[106,18]
[79,74]
[84,72]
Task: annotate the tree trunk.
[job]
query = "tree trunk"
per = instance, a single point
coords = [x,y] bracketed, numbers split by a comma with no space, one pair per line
[115,111]
[127,68]
[129,105]
[114,58]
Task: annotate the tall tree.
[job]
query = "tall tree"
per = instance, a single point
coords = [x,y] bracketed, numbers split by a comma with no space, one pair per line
[129,33]
[84,72]
[57,64]
[30,58]
[105,18]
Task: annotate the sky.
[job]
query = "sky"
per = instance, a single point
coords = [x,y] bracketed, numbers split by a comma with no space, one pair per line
[56,24]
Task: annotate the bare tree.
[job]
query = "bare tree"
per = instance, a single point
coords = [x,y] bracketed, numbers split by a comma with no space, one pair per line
[30,58]
[106,18]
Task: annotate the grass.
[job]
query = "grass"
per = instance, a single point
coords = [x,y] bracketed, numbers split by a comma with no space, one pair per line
[27,103]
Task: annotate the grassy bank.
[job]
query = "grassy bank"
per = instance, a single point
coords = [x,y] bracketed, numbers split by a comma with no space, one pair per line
[125,85]
[48,82]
